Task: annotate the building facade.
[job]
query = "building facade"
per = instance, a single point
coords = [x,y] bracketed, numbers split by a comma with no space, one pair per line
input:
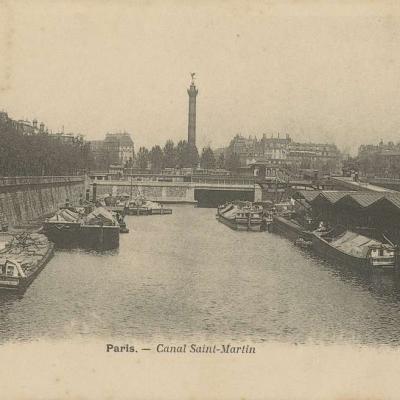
[381,160]
[115,149]
[24,126]
[278,153]
[323,157]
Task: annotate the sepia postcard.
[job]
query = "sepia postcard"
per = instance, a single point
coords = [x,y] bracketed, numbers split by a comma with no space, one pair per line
[199,200]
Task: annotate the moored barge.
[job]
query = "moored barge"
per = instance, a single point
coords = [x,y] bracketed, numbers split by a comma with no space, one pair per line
[64,228]
[138,206]
[98,230]
[22,257]
[242,216]
[353,249]
[141,206]
[291,229]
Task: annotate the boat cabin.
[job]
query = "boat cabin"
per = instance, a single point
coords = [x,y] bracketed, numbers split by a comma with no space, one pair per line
[11,269]
[381,252]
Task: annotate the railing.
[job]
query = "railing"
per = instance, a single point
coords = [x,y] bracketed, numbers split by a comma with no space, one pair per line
[224,181]
[37,180]
[384,180]
[218,180]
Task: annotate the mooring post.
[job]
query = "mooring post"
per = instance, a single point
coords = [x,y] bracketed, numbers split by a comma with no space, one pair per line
[94,192]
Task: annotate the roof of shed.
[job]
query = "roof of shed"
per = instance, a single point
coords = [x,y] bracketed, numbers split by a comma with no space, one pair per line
[361,200]
[307,195]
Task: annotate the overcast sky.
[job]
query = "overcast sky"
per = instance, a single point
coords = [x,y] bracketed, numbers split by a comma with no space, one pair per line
[318,73]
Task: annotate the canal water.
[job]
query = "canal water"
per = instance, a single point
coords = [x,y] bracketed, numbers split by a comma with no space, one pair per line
[186,276]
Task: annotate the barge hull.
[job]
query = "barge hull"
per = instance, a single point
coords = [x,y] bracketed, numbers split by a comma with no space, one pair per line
[99,237]
[290,230]
[137,211]
[326,251]
[239,227]
[64,235]
[20,284]
[84,236]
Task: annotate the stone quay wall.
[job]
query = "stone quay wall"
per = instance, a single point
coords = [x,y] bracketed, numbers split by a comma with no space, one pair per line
[25,199]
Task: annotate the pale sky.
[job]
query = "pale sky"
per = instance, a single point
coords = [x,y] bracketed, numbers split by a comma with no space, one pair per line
[320,73]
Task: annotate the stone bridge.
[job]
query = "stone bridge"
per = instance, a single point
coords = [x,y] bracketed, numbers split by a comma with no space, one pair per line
[203,191]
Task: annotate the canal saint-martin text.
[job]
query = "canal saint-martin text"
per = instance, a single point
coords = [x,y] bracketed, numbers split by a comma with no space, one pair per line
[192,348]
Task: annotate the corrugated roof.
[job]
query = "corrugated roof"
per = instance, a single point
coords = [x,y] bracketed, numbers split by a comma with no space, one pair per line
[364,199]
[361,199]
[308,195]
[393,198]
[333,196]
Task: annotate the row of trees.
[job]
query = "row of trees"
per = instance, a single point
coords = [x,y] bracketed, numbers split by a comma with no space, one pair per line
[182,155]
[40,154]
[170,156]
[43,154]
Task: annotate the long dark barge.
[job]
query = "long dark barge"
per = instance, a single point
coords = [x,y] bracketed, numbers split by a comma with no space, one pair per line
[354,249]
[146,208]
[290,229]
[22,259]
[135,207]
[98,230]
[242,217]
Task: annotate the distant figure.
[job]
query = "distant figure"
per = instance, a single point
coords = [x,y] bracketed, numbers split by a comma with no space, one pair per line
[321,227]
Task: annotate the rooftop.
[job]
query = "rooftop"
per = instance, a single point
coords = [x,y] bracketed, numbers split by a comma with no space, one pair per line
[124,139]
[360,200]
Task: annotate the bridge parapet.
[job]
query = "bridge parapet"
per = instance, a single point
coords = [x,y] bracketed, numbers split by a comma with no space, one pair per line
[173,191]
[199,183]
[225,180]
[38,180]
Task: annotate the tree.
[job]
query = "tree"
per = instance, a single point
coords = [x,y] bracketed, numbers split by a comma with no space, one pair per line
[221,161]
[207,160]
[156,158]
[232,162]
[169,155]
[129,163]
[40,154]
[142,158]
[193,157]
[182,154]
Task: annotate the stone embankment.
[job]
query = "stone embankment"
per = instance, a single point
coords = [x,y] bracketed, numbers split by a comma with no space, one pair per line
[26,199]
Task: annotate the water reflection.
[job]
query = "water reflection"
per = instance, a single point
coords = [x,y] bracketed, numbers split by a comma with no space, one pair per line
[185,275]
[383,284]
